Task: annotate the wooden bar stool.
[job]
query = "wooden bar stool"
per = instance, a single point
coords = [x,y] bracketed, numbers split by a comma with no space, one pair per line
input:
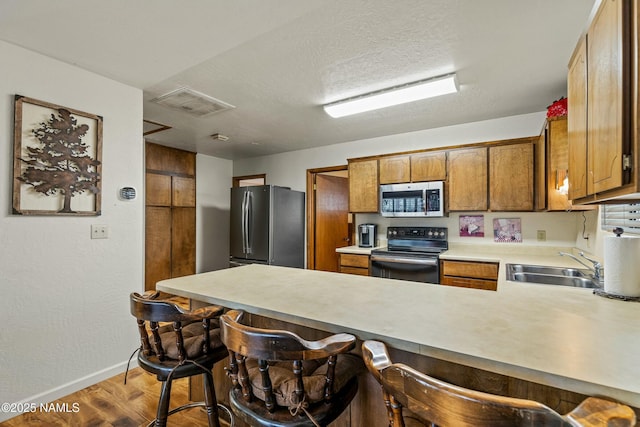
[279,379]
[189,345]
[433,401]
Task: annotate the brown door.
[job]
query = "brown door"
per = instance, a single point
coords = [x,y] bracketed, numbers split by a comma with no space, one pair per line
[331,220]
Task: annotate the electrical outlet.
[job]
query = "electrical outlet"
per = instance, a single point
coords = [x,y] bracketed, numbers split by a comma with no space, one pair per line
[542,235]
[99,231]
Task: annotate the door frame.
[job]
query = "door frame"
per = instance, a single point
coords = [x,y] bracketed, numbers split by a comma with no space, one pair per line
[311,211]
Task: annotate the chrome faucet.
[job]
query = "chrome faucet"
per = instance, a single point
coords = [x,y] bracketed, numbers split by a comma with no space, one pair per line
[596,267]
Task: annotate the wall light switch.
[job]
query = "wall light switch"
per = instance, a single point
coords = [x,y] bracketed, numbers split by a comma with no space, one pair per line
[99,231]
[542,235]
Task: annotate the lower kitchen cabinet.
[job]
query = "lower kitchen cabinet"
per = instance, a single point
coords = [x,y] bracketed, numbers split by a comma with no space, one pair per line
[469,274]
[354,264]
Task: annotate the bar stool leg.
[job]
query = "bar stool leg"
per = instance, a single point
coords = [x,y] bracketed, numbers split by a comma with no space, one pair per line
[163,405]
[210,400]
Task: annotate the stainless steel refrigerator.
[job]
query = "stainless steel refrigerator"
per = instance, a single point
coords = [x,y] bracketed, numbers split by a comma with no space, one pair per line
[267,226]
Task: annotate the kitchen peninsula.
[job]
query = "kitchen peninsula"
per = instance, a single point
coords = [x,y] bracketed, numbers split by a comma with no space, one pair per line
[566,338]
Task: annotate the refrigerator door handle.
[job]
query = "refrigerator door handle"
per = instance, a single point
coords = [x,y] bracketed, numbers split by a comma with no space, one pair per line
[248,212]
[244,222]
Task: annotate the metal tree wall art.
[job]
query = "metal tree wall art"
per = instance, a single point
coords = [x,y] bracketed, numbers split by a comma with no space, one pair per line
[57,160]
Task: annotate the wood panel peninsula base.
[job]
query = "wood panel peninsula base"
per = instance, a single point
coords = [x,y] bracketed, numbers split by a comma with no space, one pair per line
[547,343]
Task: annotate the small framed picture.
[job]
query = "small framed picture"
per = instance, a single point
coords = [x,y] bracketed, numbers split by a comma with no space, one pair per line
[471,225]
[507,230]
[57,160]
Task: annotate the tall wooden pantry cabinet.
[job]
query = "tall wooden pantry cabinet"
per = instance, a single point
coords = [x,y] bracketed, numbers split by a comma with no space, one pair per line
[170,215]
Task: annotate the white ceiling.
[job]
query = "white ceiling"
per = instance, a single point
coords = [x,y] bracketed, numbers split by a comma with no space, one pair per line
[278,61]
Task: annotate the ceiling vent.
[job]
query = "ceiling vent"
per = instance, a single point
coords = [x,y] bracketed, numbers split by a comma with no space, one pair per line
[192,102]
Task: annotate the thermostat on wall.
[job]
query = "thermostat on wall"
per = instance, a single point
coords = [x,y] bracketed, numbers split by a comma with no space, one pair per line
[127,193]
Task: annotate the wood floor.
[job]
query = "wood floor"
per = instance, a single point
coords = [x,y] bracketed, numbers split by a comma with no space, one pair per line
[112,403]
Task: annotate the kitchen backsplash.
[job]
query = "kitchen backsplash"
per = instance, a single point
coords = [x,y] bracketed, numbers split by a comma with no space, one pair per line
[559,228]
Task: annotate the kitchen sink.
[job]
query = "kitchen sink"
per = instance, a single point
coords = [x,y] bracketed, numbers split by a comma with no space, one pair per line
[563,276]
[552,271]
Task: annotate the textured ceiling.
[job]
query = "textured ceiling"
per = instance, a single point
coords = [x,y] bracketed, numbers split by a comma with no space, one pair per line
[278,61]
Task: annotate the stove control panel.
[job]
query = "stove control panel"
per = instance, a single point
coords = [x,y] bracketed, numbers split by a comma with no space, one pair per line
[418,233]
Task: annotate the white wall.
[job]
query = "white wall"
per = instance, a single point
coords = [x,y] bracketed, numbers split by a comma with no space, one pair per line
[214,179]
[289,169]
[589,236]
[64,308]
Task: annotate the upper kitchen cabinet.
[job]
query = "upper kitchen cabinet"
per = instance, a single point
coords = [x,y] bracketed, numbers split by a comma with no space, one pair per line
[395,169]
[540,173]
[577,122]
[555,167]
[363,185]
[603,145]
[511,177]
[555,136]
[414,167]
[429,166]
[494,175]
[467,189]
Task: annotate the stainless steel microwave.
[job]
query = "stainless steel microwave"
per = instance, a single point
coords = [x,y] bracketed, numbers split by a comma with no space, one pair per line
[418,199]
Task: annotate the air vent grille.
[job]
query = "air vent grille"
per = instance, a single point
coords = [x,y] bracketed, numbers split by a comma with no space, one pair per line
[192,102]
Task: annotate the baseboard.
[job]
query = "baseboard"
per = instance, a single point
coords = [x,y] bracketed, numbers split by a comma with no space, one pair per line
[71,387]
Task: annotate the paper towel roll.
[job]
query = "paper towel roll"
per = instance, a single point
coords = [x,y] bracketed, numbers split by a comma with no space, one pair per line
[622,266]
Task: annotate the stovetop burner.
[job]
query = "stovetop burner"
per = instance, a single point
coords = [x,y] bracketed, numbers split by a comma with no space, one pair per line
[415,240]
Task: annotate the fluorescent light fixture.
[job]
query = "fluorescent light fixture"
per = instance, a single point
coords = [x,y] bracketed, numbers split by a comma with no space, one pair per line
[393,96]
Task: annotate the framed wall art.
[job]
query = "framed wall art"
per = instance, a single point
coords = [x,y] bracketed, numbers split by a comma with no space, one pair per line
[507,230]
[57,161]
[471,225]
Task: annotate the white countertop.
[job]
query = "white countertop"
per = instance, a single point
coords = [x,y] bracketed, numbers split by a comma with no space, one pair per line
[357,250]
[559,336]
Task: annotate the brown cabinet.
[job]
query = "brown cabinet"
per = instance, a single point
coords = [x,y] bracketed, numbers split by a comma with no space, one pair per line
[467,184]
[354,264]
[606,115]
[602,95]
[170,214]
[540,172]
[363,185]
[495,175]
[577,122]
[395,169]
[415,167]
[469,274]
[511,177]
[556,166]
[429,166]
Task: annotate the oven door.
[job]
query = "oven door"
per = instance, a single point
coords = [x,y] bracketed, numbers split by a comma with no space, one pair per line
[424,268]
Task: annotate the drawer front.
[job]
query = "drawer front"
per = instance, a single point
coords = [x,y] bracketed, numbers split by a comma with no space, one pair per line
[351,260]
[481,270]
[354,270]
[463,282]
